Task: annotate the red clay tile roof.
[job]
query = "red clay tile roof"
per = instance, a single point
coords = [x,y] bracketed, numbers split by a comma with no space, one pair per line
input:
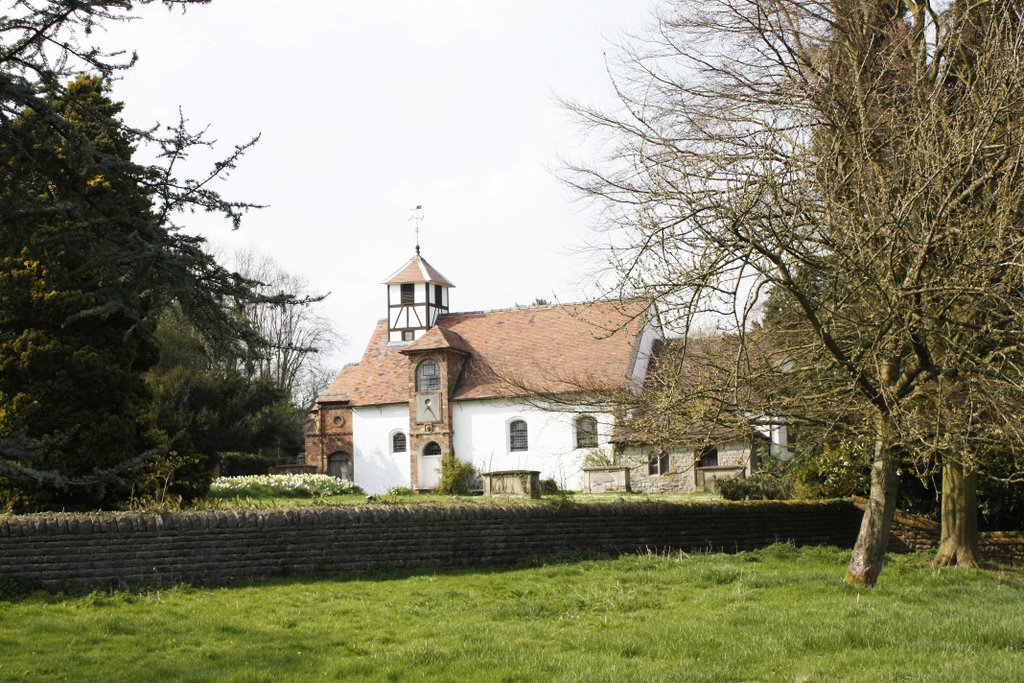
[417,270]
[513,352]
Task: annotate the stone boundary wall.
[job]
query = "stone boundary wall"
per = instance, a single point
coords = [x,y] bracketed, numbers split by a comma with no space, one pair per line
[223,546]
[913,534]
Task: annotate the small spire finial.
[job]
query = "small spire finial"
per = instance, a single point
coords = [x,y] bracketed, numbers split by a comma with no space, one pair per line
[417,215]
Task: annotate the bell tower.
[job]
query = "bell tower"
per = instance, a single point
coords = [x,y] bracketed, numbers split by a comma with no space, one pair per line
[417,295]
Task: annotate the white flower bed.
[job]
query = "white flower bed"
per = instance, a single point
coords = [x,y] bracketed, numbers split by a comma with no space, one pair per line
[297,485]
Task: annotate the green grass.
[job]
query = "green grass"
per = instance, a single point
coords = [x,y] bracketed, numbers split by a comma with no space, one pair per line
[777,614]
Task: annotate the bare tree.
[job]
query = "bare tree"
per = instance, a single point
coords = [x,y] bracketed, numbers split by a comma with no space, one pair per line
[862,159]
[295,336]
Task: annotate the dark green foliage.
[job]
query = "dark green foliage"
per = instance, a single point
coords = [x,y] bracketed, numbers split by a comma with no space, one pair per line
[549,487]
[237,464]
[457,478]
[759,486]
[205,413]
[88,261]
[90,256]
[1001,495]
[73,342]
[208,407]
[831,470]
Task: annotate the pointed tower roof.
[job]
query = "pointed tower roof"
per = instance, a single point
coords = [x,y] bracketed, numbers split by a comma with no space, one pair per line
[417,270]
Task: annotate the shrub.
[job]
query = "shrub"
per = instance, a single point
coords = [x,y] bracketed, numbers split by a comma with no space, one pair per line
[240,464]
[401,491]
[759,486]
[548,487]
[833,470]
[457,477]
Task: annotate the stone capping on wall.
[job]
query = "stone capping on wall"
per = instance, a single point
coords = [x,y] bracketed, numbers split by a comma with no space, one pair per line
[223,546]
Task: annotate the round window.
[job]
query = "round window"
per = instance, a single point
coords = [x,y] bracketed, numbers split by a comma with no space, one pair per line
[338,420]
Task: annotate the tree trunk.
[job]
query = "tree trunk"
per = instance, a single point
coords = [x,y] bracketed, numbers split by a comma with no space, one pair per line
[959,541]
[869,551]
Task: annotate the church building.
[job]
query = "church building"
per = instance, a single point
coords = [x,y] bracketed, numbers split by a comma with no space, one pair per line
[493,388]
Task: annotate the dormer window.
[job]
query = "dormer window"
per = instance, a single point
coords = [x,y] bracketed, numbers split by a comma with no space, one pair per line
[408,294]
[428,376]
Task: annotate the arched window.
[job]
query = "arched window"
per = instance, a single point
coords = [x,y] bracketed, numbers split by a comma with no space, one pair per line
[398,443]
[432,449]
[428,376]
[586,432]
[709,458]
[518,439]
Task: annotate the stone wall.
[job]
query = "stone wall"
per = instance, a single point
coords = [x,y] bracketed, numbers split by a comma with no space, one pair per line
[221,546]
[1006,547]
[911,533]
[683,474]
[679,478]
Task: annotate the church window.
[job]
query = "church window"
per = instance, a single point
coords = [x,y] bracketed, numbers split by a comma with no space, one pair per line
[709,458]
[408,293]
[432,449]
[518,439]
[437,295]
[659,463]
[398,443]
[428,376]
[586,432]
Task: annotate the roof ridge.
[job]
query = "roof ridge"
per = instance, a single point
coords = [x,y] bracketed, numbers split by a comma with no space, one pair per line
[541,308]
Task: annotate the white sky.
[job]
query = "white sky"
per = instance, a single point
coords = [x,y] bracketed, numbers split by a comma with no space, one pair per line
[369,108]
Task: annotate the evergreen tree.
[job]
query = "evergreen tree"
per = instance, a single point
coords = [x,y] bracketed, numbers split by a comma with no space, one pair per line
[208,408]
[72,349]
[90,255]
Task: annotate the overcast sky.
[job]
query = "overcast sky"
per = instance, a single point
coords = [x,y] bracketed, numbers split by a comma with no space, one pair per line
[367,109]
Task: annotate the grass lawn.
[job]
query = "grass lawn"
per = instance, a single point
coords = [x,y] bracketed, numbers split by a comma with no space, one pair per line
[777,614]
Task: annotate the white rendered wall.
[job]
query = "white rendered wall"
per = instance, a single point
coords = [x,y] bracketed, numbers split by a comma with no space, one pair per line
[481,438]
[375,467]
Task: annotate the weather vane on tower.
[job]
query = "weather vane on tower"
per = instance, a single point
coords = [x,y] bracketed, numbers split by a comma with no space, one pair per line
[417,215]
